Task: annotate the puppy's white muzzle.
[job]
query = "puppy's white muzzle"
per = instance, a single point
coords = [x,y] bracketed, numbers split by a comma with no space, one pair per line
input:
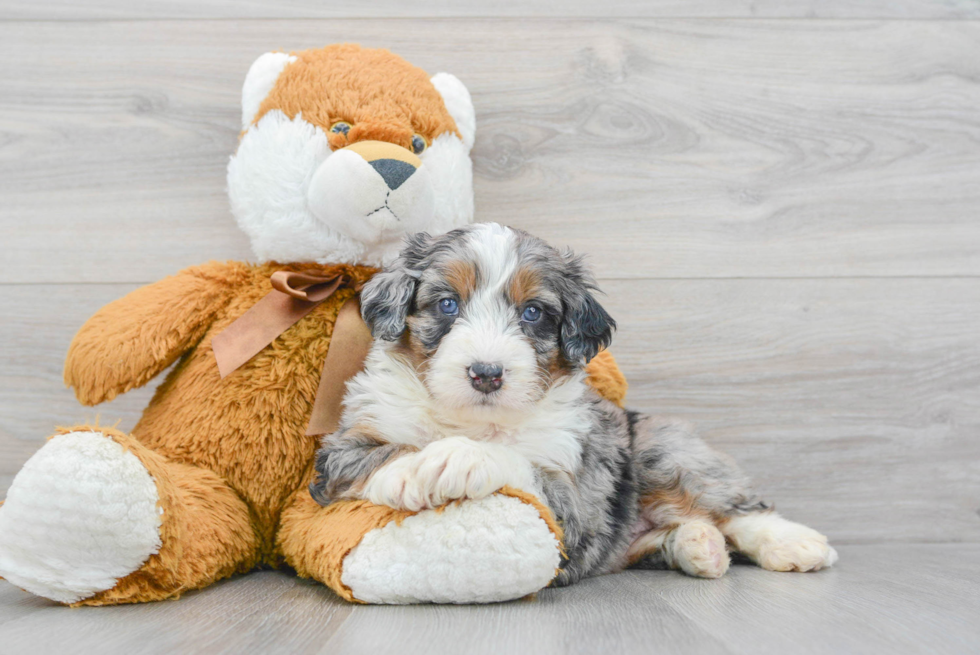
[485,337]
[372,192]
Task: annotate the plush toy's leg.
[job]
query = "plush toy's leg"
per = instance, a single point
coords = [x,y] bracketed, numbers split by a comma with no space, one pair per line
[95,518]
[499,548]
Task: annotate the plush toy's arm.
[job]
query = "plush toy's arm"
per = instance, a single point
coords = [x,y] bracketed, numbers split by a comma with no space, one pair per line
[606,378]
[129,341]
[501,547]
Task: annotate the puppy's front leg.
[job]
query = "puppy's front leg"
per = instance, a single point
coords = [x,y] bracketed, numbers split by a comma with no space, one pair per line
[346,461]
[448,469]
[776,544]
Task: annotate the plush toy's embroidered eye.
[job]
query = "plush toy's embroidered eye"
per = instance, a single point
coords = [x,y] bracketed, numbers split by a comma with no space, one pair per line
[340,127]
[448,306]
[531,314]
[418,144]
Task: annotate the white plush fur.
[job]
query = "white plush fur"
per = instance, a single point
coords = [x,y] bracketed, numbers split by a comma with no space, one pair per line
[81,514]
[776,544]
[385,215]
[268,179]
[451,175]
[259,81]
[300,202]
[482,551]
[458,103]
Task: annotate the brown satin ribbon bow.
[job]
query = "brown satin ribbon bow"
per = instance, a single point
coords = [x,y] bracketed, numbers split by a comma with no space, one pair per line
[293,296]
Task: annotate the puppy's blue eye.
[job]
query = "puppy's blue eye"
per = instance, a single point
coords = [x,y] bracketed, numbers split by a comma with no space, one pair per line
[448,306]
[418,144]
[340,127]
[531,314]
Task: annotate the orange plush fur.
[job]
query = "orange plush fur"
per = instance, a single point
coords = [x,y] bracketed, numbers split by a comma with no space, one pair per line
[369,89]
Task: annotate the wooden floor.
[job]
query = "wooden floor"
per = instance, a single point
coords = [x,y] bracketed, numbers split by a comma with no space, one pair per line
[782,201]
[888,599]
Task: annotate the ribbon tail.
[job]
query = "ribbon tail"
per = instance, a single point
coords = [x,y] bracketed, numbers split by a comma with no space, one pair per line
[349,347]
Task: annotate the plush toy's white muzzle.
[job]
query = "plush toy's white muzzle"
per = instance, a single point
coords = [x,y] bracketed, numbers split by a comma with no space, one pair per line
[372,191]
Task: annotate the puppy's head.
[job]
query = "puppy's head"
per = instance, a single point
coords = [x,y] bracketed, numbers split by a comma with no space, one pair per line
[491,316]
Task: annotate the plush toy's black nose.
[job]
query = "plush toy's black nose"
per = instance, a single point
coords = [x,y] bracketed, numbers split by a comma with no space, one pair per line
[393,171]
[486,377]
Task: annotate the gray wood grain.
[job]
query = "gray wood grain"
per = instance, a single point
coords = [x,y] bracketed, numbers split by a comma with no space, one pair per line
[855,404]
[33,399]
[566,621]
[668,148]
[127,9]
[851,402]
[886,598]
[263,612]
[880,598]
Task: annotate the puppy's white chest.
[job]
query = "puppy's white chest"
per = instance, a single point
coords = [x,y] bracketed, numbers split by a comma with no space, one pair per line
[495,434]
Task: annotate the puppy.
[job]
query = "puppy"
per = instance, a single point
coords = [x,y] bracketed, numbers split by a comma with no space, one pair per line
[476,382]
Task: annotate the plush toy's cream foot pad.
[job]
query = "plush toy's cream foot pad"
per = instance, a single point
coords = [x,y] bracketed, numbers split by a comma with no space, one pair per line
[478,551]
[81,514]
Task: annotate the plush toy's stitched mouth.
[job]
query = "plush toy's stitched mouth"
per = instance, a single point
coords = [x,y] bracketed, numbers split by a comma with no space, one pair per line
[384,206]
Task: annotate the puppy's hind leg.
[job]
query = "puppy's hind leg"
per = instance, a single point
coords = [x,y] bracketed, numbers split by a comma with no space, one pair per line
[695,547]
[682,480]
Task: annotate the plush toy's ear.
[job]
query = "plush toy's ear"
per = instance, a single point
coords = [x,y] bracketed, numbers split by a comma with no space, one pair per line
[261,78]
[387,299]
[459,104]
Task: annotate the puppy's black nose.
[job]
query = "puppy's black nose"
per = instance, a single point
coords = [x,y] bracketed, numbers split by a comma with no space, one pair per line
[393,171]
[486,377]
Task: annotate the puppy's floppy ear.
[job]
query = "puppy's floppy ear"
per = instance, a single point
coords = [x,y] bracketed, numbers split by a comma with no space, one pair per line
[387,298]
[586,328]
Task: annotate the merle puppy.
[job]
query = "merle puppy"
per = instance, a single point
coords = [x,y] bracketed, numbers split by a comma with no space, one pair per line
[476,381]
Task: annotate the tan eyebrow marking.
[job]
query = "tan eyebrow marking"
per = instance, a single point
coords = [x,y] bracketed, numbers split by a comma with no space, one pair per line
[525,283]
[461,276]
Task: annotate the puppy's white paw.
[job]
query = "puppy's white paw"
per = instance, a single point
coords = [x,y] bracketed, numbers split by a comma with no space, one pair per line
[445,470]
[776,544]
[698,548]
[396,485]
[457,467]
[803,550]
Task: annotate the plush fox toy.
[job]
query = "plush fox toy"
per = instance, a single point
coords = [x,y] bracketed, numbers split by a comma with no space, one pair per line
[343,152]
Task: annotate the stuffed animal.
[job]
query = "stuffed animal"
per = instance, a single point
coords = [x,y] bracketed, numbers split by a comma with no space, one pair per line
[343,152]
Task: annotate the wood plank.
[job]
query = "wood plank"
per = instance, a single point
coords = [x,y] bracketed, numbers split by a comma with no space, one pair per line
[124,9]
[908,598]
[853,403]
[828,148]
